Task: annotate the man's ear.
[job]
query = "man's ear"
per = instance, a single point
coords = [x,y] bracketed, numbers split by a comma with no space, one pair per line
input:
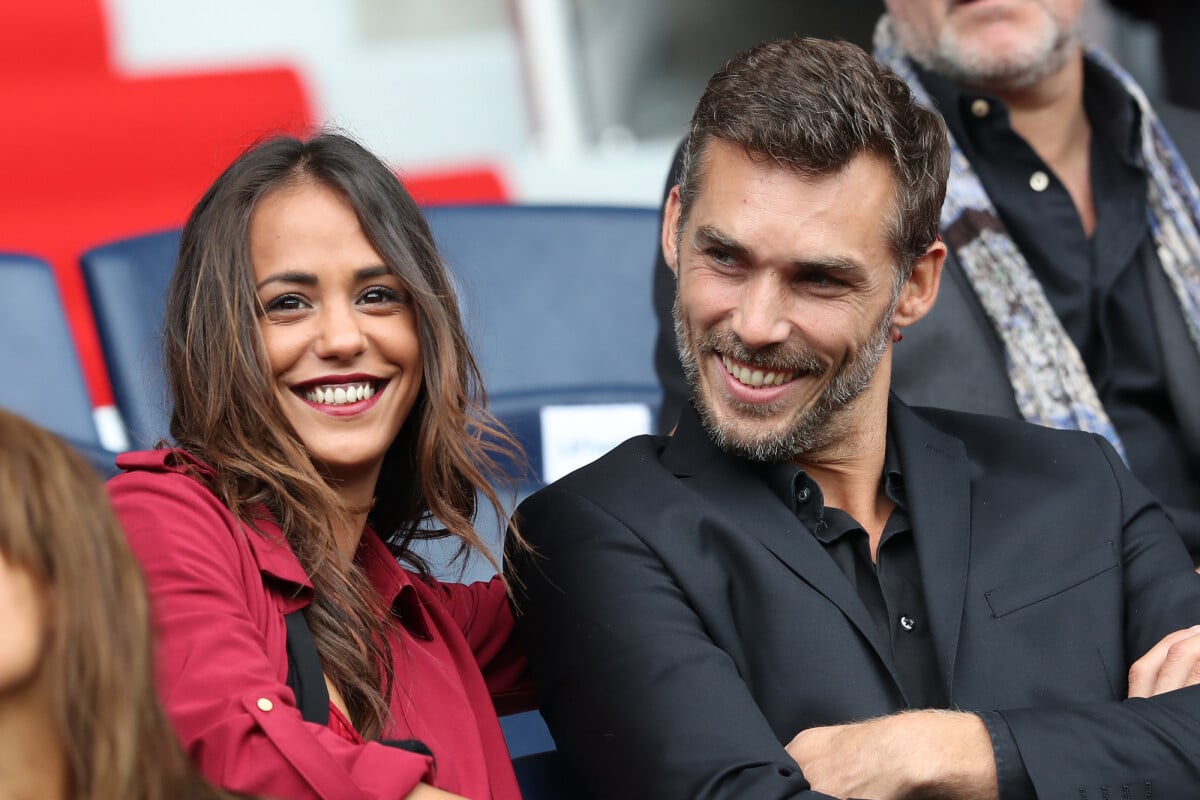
[670,230]
[919,292]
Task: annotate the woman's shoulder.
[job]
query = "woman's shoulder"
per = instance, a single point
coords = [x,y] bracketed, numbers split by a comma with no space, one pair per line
[164,490]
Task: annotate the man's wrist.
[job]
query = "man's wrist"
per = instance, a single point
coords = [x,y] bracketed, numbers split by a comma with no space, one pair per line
[952,756]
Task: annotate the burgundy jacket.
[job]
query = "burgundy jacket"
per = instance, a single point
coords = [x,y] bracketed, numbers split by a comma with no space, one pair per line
[219,593]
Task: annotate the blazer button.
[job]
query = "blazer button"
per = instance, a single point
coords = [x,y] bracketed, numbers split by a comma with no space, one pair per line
[264,704]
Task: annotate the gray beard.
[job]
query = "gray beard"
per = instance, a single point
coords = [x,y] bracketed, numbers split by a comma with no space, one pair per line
[823,424]
[948,59]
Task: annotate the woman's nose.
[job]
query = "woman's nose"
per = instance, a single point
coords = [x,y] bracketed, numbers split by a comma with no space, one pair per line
[341,336]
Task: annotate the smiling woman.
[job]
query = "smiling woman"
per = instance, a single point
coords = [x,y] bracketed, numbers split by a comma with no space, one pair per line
[327,410]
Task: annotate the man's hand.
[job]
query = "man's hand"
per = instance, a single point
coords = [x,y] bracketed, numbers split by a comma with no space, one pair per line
[945,754]
[1171,664]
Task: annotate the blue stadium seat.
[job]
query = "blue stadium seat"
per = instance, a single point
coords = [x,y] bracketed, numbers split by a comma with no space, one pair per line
[127,284]
[43,380]
[556,303]
[541,770]
[554,296]
[545,776]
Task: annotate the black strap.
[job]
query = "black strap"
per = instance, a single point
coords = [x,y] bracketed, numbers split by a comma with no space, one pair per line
[305,675]
[306,678]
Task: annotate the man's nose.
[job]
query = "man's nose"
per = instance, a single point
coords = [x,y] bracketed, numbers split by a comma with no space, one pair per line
[760,317]
[341,336]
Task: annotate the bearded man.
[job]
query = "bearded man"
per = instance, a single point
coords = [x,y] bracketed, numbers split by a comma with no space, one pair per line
[1071,291]
[787,597]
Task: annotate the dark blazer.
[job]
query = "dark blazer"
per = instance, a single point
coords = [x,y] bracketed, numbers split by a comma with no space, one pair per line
[683,625]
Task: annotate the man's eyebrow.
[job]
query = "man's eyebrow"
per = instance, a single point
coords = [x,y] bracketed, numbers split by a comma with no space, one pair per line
[708,236]
[310,279]
[836,264]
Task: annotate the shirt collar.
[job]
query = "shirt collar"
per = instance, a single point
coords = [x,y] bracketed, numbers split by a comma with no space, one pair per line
[393,583]
[799,492]
[1113,114]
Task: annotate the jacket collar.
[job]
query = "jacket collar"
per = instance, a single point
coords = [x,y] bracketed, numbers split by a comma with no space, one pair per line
[937,486]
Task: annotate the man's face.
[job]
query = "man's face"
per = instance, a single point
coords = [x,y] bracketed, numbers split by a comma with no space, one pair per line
[785,298]
[989,44]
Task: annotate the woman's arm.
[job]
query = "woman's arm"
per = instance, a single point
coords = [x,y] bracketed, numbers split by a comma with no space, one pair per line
[482,612]
[222,688]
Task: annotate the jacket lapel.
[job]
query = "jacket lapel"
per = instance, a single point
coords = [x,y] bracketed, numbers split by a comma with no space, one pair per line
[1179,352]
[937,485]
[736,493]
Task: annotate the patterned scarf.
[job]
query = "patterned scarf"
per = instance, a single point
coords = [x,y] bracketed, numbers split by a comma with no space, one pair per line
[1049,379]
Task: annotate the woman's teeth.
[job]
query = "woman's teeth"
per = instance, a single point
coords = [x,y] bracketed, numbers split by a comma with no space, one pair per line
[755,377]
[340,395]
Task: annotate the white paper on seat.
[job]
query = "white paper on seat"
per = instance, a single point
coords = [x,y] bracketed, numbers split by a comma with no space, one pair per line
[576,435]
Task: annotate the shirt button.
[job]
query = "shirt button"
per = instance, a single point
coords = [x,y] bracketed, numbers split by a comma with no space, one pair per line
[980,107]
[1038,181]
[908,623]
[803,495]
[264,704]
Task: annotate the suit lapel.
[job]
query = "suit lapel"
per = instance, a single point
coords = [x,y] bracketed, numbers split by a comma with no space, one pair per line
[739,495]
[938,489]
[1182,367]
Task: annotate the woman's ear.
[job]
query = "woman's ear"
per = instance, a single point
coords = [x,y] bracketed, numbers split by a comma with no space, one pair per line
[919,292]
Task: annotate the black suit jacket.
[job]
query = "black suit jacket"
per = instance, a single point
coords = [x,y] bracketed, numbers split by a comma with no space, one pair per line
[683,625]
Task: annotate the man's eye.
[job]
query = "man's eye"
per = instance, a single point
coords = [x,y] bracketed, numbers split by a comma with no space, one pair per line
[821,279]
[722,258]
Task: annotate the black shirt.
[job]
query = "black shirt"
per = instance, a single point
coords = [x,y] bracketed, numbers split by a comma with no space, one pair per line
[891,589]
[889,586]
[1096,285]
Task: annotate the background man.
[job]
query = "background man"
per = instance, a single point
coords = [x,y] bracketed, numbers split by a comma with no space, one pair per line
[713,614]
[1072,289]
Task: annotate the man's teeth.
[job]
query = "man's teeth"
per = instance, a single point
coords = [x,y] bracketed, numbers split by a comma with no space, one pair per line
[340,395]
[756,377]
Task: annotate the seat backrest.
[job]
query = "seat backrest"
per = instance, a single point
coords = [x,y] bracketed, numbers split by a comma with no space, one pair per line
[43,380]
[554,297]
[563,429]
[546,776]
[127,285]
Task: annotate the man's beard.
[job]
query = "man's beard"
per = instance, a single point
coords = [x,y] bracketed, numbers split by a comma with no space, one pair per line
[814,430]
[1018,68]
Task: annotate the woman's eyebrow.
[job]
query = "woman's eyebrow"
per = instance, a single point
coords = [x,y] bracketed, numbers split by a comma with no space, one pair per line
[303,278]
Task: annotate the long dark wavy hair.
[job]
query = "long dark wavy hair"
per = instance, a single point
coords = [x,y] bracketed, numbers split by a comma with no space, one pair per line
[56,523]
[227,415]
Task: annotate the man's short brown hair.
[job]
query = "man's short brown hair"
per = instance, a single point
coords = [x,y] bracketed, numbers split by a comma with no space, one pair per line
[814,105]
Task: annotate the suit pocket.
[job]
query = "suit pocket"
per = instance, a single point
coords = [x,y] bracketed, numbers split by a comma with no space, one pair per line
[1051,581]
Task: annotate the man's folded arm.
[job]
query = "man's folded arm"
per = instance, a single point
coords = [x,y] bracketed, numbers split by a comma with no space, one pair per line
[1150,745]
[632,687]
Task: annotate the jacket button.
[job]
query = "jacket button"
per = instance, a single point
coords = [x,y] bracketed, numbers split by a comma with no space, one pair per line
[264,704]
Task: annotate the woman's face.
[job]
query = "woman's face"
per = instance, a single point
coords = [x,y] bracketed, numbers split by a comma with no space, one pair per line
[339,329]
[23,641]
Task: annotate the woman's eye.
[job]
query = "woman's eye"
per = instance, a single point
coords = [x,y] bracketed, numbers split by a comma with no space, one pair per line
[382,294]
[286,302]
